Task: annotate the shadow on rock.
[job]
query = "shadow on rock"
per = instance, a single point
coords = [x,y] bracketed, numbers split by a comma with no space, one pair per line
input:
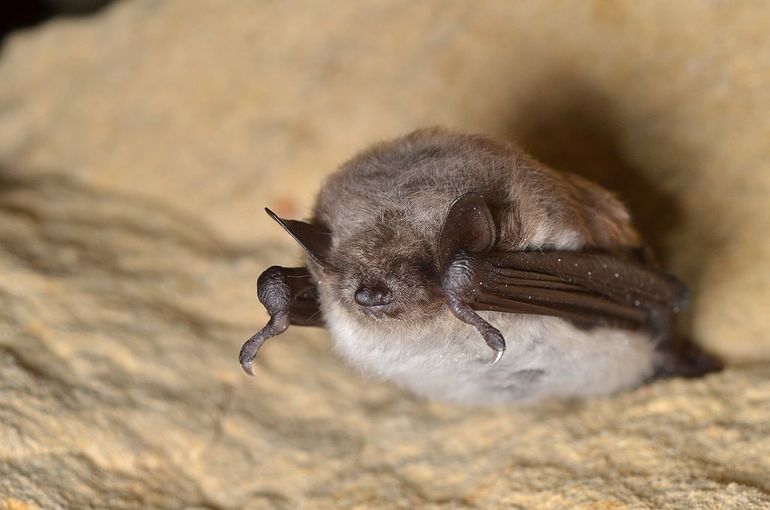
[573,127]
[576,130]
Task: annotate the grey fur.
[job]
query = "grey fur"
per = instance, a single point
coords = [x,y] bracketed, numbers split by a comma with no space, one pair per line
[385,208]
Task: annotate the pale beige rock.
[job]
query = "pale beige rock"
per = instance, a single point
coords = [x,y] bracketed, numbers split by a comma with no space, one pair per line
[139,146]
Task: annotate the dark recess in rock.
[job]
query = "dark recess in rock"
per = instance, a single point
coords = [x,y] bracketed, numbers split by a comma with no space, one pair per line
[28,13]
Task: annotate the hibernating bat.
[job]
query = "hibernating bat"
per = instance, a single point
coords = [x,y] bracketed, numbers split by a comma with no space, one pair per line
[461,268]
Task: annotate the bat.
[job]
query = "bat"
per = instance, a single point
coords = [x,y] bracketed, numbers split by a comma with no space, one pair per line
[462,269]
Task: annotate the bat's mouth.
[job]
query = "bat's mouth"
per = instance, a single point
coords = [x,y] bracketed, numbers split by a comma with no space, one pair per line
[390,310]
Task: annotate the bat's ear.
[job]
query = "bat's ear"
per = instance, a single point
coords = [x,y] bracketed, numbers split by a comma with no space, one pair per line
[316,240]
[468,226]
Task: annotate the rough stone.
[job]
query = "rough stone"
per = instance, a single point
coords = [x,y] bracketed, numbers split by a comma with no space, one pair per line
[138,147]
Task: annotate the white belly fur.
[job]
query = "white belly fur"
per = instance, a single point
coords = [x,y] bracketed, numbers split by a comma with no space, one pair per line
[448,360]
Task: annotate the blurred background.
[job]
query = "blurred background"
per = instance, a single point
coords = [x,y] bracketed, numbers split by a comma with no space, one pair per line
[141,139]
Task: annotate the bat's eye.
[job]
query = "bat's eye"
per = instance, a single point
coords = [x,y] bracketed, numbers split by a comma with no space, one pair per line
[374,294]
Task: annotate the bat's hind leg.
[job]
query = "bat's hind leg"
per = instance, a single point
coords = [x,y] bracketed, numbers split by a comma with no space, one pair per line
[684,359]
[290,297]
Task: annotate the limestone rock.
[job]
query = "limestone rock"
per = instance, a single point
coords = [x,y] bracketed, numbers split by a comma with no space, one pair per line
[138,147]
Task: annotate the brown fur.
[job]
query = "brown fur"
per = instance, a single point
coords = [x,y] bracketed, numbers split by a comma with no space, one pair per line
[386,205]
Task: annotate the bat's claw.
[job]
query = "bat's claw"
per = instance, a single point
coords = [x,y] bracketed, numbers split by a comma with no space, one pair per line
[494,340]
[249,351]
[276,326]
[246,366]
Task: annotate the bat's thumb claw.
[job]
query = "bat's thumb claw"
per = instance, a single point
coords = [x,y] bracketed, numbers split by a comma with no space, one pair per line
[249,351]
[277,325]
[246,366]
[496,342]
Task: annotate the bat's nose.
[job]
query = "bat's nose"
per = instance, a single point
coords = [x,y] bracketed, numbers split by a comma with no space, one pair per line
[374,294]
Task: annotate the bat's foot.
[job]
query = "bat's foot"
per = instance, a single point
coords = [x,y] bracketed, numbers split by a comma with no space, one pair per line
[686,360]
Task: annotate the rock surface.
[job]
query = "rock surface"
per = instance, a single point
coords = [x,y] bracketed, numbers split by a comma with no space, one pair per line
[138,147]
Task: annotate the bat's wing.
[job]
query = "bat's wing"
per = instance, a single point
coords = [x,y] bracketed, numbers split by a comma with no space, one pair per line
[589,288]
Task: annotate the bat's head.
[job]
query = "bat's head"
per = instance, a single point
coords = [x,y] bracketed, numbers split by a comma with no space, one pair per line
[386,272]
[382,273]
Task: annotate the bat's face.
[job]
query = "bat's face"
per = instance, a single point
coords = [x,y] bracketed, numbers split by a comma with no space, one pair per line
[384,274]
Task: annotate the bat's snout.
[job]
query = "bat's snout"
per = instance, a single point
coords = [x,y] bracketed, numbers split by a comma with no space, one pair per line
[375,294]
[375,298]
